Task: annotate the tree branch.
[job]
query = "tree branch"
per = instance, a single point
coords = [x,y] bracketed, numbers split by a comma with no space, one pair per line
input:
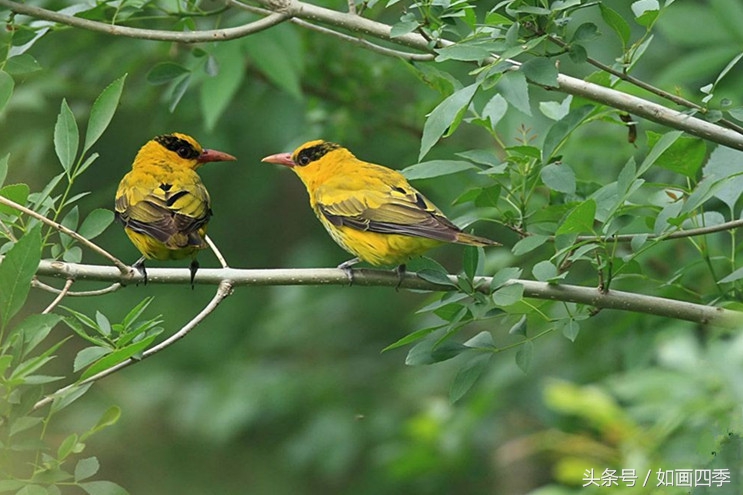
[285,9]
[224,290]
[613,299]
[147,34]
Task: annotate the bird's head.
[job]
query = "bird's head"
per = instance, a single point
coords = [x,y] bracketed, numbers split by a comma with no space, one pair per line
[310,157]
[178,150]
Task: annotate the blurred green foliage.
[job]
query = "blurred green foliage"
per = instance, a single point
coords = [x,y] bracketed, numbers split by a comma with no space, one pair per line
[286,389]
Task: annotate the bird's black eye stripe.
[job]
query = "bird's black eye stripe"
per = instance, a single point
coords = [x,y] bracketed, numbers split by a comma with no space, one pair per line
[183,148]
[313,153]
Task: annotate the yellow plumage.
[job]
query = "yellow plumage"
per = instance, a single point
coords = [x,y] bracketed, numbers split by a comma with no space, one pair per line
[162,202]
[370,210]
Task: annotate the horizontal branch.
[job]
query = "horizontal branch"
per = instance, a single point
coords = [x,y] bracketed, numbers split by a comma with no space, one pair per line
[612,299]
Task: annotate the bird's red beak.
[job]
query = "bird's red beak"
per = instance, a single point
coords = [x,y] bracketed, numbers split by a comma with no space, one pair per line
[215,156]
[280,158]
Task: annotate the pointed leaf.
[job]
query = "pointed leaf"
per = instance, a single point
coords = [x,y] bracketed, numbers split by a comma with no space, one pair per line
[102,111]
[4,168]
[445,116]
[541,71]
[16,271]
[436,168]
[560,178]
[524,356]
[165,72]
[96,222]
[514,88]
[579,220]
[102,488]
[468,375]
[66,137]
[6,89]
[85,468]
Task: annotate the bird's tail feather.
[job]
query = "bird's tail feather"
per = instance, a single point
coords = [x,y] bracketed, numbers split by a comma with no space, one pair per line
[474,240]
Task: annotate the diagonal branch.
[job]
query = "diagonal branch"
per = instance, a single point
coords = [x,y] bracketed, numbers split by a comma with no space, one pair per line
[224,290]
[613,299]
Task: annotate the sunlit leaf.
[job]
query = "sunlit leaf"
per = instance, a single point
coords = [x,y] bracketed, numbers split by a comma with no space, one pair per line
[66,137]
[102,111]
[96,222]
[16,272]
[445,117]
[436,168]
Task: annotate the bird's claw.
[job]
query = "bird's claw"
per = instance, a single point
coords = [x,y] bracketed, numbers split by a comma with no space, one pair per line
[346,267]
[139,266]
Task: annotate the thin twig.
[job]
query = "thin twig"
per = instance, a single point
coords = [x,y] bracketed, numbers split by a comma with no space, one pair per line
[612,299]
[62,293]
[216,252]
[224,290]
[679,234]
[647,87]
[123,268]
[148,34]
[81,293]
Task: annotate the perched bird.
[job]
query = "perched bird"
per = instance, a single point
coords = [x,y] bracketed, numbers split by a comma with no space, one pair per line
[162,202]
[371,211]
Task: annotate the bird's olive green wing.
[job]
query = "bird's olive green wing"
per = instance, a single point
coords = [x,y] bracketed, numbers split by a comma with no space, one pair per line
[388,210]
[169,214]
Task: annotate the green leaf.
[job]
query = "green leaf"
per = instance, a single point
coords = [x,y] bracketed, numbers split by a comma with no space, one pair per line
[508,295]
[179,89]
[102,111]
[514,88]
[21,65]
[446,116]
[6,89]
[495,109]
[464,52]
[89,355]
[109,418]
[579,220]
[646,11]
[118,356]
[411,337]
[67,397]
[165,72]
[435,277]
[560,178]
[279,54]
[66,137]
[616,22]
[556,110]
[4,169]
[35,328]
[472,261]
[428,352]
[68,446]
[217,92]
[562,129]
[528,244]
[519,328]
[17,270]
[96,222]
[586,32]
[544,271]
[24,423]
[85,468]
[402,28]
[684,156]
[103,488]
[468,375]
[503,276]
[541,71]
[726,165]
[436,168]
[18,193]
[570,330]
[524,356]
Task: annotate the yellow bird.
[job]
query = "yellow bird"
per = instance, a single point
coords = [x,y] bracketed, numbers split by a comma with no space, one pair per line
[162,202]
[371,211]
